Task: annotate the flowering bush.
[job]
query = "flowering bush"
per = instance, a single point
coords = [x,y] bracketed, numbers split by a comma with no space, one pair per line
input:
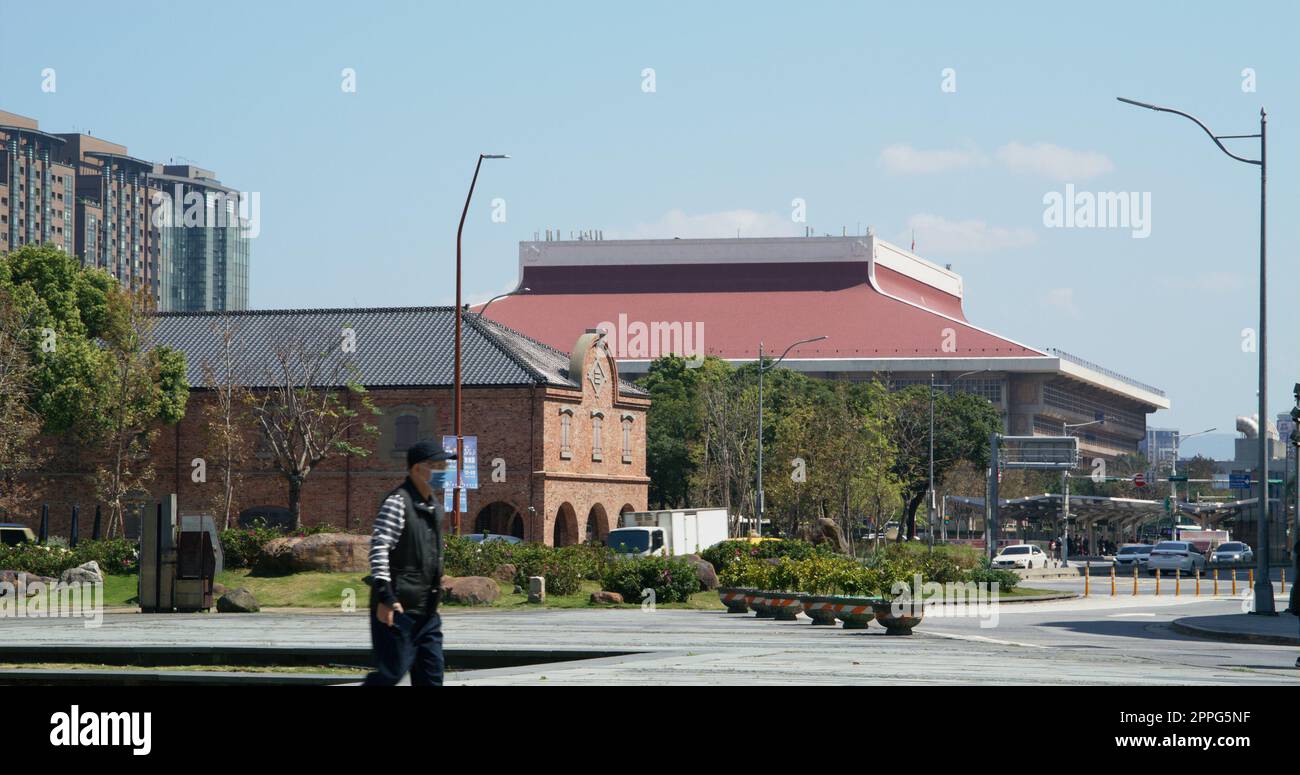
[114,555]
[673,579]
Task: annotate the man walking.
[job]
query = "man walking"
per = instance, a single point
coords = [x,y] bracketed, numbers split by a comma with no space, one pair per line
[406,573]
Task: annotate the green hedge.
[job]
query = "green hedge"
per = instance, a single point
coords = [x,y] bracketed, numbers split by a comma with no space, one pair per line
[564,568]
[115,556]
[673,579]
[727,552]
[825,574]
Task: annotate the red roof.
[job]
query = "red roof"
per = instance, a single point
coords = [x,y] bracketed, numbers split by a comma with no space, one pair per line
[741,304]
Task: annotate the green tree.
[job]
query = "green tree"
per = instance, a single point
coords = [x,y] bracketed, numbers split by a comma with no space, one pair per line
[673,427]
[305,411]
[962,424]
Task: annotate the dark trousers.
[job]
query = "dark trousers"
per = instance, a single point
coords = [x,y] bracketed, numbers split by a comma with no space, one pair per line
[398,651]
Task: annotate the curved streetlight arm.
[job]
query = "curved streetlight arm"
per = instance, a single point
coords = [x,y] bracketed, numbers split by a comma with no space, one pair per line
[787,352]
[483,309]
[1199,123]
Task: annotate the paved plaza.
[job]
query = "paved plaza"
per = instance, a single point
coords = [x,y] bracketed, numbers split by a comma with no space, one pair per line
[1100,640]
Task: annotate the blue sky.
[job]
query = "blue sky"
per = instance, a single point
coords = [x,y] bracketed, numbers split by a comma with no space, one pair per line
[755,104]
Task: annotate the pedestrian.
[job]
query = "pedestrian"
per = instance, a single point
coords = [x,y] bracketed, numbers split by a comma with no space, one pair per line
[406,573]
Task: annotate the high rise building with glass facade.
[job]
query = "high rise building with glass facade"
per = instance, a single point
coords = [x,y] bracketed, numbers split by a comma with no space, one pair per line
[173,230]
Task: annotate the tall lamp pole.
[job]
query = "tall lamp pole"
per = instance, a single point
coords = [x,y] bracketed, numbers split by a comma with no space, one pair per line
[1264,587]
[460,439]
[1065,494]
[930,500]
[761,370]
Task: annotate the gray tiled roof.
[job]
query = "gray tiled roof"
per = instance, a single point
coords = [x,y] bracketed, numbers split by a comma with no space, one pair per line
[395,347]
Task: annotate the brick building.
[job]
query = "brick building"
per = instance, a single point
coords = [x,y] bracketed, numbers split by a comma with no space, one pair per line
[561,439]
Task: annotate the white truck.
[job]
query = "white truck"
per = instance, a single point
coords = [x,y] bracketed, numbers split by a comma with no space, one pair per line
[676,531]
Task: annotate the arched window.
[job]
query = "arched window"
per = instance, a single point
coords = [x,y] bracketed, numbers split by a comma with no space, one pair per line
[566,429]
[408,432]
[626,421]
[597,419]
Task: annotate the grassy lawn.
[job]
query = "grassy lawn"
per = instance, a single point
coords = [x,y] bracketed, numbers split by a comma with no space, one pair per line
[326,590]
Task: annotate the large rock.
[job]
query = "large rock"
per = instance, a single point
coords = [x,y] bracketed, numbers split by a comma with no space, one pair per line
[704,572]
[505,572]
[331,553]
[277,555]
[606,598]
[238,601]
[470,590]
[86,573]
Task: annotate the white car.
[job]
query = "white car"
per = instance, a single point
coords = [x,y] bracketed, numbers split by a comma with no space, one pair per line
[1170,556]
[1232,552]
[1021,556]
[1130,555]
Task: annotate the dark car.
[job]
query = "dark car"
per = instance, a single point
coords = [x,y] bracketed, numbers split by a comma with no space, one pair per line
[12,534]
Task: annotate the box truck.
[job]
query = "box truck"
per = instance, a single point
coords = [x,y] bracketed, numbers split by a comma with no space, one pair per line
[675,531]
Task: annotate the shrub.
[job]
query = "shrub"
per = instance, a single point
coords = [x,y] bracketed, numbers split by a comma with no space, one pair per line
[116,556]
[673,579]
[724,553]
[1006,580]
[561,570]
[748,573]
[242,546]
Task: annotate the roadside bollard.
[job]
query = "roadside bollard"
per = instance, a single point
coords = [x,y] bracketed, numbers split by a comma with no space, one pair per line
[1157,582]
[1216,582]
[1234,581]
[1086,576]
[1135,579]
[1198,582]
[1284,581]
[1112,581]
[1178,581]
[1250,579]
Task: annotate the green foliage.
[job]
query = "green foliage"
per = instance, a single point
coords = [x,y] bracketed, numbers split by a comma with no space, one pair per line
[673,579]
[564,568]
[114,556]
[242,546]
[726,552]
[1005,579]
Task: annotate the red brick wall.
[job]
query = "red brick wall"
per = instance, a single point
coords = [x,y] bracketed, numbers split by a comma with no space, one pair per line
[519,427]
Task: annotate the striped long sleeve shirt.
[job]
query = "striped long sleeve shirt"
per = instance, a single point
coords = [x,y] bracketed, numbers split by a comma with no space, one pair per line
[388,528]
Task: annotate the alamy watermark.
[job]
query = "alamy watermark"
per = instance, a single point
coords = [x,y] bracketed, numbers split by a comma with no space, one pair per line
[638,339]
[976,599]
[212,209]
[1098,210]
[60,600]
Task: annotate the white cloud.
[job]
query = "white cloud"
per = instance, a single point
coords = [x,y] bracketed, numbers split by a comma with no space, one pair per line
[936,235]
[1062,300]
[903,159]
[748,223]
[1054,161]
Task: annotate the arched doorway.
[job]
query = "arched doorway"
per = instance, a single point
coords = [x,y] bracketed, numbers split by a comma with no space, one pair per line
[565,532]
[516,526]
[597,528]
[626,508]
[496,517]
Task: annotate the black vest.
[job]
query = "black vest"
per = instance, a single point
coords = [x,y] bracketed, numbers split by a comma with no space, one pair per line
[416,561]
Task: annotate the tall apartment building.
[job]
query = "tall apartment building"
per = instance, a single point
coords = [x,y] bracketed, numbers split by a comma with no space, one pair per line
[36,187]
[92,199]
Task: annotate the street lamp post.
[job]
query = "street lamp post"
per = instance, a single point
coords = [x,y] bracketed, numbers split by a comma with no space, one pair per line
[930,504]
[761,370]
[460,439]
[1065,495]
[1263,589]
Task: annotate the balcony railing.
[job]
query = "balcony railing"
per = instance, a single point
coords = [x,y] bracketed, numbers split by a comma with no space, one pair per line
[1102,370]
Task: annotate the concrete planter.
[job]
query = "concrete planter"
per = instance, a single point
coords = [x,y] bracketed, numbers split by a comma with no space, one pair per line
[786,605]
[735,599]
[821,609]
[902,622]
[757,602]
[855,612]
